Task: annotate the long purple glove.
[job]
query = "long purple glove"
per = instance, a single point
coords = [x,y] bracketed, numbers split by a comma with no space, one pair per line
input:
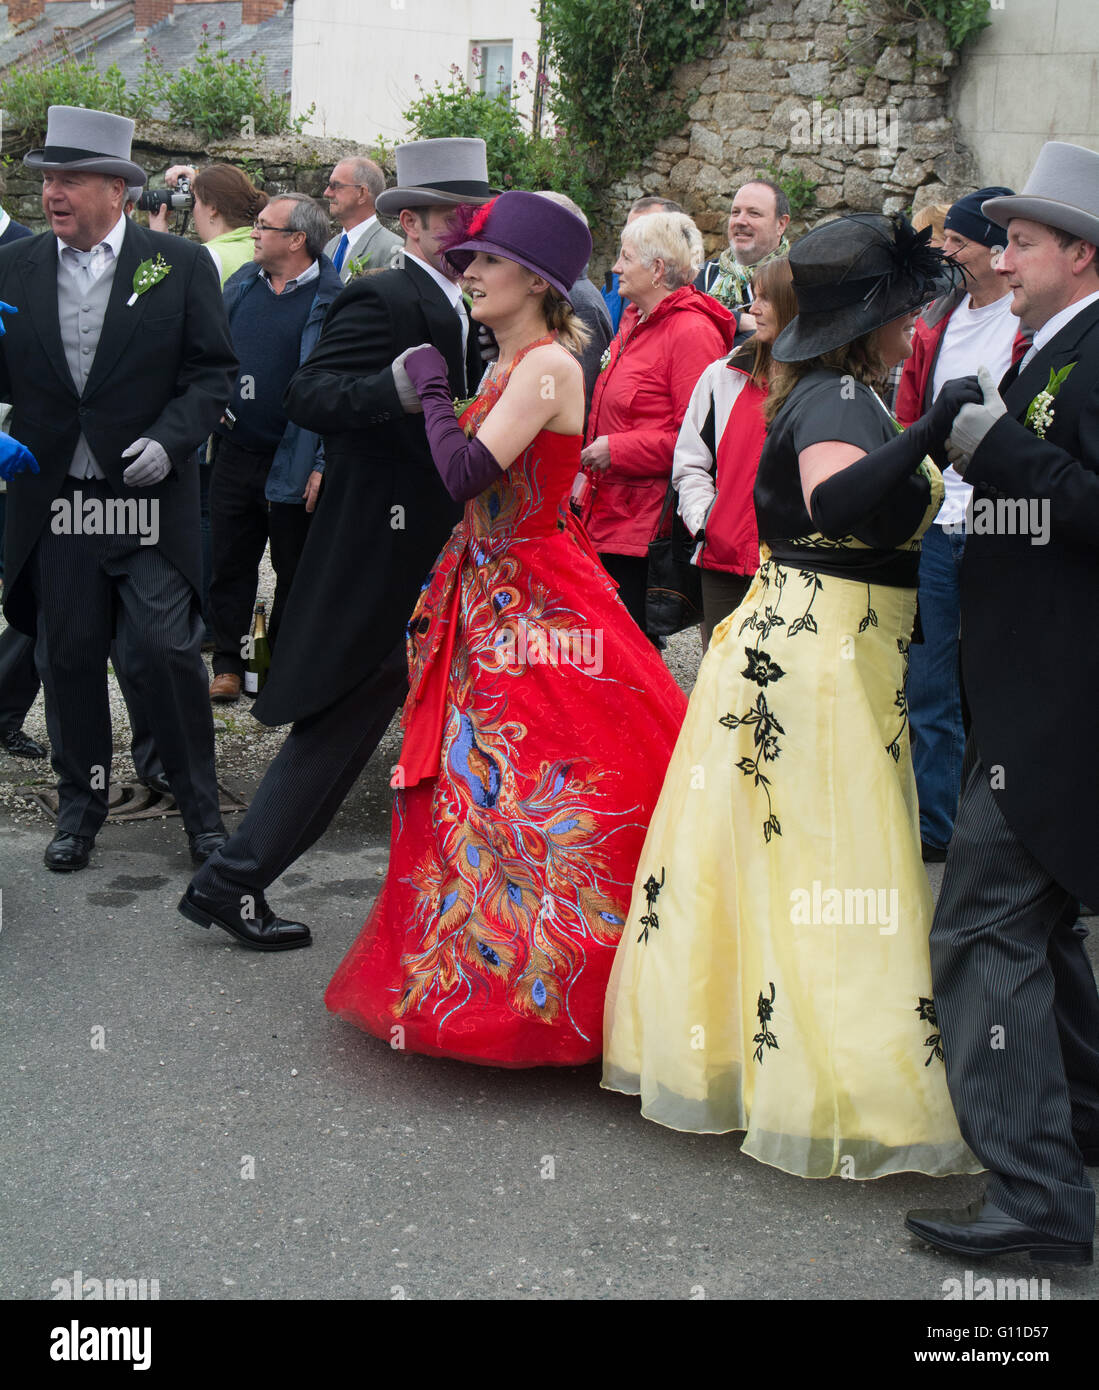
[15,458]
[465,465]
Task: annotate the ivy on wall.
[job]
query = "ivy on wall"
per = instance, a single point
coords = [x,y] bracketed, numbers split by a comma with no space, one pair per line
[614,61]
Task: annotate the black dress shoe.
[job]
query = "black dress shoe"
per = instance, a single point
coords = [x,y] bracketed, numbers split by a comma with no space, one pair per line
[202,846]
[263,932]
[932,854]
[157,783]
[21,745]
[983,1229]
[64,853]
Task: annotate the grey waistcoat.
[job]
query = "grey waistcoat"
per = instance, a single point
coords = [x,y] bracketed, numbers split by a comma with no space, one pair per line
[81,314]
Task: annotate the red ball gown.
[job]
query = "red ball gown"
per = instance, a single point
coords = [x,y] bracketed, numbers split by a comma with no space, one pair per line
[538,728]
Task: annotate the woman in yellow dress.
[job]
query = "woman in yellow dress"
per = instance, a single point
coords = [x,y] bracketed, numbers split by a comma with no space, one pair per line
[773,975]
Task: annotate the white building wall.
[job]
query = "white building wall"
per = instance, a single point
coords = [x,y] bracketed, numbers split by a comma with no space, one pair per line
[1031,76]
[358,59]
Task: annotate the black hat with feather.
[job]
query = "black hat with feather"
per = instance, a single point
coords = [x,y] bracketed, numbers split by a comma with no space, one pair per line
[855,274]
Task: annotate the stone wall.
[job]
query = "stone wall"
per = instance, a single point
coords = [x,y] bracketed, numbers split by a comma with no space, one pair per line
[856,102]
[275,163]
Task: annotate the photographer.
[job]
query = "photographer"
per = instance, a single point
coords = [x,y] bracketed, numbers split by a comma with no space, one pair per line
[226,203]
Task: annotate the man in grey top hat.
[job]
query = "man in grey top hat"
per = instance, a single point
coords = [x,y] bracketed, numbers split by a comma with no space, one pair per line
[1014,992]
[340,671]
[117,365]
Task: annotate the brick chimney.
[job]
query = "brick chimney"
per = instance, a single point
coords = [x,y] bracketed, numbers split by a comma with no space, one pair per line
[150,12]
[256,11]
[25,11]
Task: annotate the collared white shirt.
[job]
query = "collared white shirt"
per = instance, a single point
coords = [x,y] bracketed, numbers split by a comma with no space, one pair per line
[452,292]
[5,220]
[355,232]
[1050,330]
[102,255]
[312,273]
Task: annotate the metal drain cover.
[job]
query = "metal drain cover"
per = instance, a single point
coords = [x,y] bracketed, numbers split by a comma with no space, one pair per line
[133,801]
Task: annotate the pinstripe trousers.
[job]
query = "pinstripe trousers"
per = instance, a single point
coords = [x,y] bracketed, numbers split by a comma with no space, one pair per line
[90,590]
[1016,1003]
[304,787]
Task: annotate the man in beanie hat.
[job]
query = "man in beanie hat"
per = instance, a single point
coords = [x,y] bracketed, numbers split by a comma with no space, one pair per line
[341,671]
[1014,991]
[970,327]
[118,364]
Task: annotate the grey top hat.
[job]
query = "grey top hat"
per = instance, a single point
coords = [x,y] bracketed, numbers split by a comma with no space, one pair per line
[88,142]
[1062,191]
[438,173]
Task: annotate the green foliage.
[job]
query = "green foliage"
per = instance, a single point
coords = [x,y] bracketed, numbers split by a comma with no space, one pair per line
[614,61]
[214,95]
[801,190]
[218,96]
[28,91]
[516,157]
[961,19]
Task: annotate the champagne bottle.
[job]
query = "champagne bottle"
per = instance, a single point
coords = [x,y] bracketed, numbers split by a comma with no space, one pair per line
[259,657]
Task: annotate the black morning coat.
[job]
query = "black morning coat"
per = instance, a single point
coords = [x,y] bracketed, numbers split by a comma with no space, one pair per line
[164,369]
[1030,659]
[383,514]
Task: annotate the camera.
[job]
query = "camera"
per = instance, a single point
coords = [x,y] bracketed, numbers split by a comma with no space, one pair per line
[177,199]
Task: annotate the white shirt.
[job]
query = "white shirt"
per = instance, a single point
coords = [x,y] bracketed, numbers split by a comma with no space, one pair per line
[1050,330]
[355,232]
[102,254]
[5,218]
[452,292]
[972,338]
[303,279]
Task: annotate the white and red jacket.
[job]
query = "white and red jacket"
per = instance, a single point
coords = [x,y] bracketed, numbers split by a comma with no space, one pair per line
[714,467]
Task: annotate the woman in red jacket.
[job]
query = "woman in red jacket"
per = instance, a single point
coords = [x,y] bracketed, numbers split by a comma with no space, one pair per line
[669,334]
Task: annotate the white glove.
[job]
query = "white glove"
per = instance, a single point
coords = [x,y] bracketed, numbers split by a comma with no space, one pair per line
[407,394]
[150,465]
[973,422]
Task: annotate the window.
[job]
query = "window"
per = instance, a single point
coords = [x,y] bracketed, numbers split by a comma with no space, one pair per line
[490,65]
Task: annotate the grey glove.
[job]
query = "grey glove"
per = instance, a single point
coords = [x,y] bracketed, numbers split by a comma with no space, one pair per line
[973,422]
[151,463]
[407,394]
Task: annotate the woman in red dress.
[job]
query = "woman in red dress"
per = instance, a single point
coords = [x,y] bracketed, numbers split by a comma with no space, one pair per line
[539,721]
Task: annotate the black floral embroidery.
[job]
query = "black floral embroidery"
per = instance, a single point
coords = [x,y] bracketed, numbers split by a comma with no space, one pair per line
[764,726]
[652,892]
[901,703]
[871,619]
[807,623]
[761,668]
[765,1038]
[926,1011]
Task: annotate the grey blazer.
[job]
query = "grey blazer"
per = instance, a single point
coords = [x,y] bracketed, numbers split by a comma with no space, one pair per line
[375,246]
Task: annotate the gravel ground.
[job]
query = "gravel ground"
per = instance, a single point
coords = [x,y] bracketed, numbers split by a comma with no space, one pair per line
[244,746]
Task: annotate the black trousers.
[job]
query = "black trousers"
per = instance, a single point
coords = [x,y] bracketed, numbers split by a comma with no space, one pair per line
[1017,1007]
[722,594]
[631,574]
[241,523]
[306,784]
[90,591]
[19,686]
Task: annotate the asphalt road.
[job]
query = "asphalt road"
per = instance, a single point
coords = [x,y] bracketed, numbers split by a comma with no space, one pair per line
[146,1061]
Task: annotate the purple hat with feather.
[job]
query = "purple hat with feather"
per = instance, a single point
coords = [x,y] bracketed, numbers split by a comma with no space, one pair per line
[536,233]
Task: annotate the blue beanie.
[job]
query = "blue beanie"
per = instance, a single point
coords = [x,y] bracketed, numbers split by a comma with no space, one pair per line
[966,218]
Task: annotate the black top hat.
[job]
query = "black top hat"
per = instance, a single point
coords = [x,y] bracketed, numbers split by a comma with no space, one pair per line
[854,275]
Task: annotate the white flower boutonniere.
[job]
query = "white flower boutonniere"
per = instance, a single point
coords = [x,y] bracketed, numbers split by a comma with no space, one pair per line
[1039,414]
[148,274]
[605,360]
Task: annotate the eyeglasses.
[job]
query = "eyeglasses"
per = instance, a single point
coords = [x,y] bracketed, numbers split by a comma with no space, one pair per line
[335,183]
[266,227]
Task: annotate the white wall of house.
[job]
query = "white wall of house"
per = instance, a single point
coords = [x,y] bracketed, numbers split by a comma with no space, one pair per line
[1031,76]
[358,59]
